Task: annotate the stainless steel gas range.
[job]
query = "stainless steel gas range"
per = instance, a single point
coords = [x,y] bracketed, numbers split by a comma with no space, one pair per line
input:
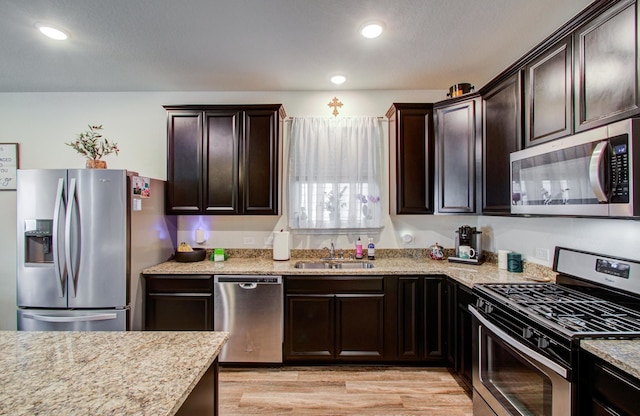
[526,336]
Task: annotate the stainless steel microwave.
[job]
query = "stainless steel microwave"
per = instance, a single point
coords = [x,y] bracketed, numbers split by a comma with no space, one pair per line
[589,174]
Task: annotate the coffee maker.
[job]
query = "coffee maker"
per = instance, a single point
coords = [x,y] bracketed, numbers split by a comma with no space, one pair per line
[468,236]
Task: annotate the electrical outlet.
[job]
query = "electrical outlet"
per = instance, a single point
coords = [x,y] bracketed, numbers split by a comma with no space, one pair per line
[542,253]
[249,241]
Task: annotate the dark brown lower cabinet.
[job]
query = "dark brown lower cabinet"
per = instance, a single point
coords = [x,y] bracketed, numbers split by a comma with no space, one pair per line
[178,303]
[605,389]
[421,330]
[463,332]
[334,318]
[203,399]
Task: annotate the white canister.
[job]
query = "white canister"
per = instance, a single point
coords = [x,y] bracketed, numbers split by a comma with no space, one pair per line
[503,259]
[281,245]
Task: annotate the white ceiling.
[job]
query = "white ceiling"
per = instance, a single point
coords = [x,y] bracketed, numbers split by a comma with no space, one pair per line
[267,45]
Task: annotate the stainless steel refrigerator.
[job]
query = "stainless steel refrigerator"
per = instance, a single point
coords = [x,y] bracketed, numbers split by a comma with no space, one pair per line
[83,237]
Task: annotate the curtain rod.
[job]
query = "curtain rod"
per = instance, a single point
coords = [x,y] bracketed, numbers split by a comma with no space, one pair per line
[291,118]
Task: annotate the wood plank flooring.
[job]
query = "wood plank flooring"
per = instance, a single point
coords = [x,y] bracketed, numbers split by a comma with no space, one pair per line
[338,390]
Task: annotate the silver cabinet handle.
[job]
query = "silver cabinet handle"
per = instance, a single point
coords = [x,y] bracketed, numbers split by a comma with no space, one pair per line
[595,169]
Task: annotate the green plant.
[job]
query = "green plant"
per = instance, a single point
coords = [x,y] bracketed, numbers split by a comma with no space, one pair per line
[92,145]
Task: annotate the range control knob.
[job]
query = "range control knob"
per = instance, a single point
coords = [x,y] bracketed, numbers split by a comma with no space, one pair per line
[543,342]
[488,308]
[527,332]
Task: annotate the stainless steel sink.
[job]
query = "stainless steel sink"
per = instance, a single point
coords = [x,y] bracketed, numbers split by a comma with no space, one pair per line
[333,265]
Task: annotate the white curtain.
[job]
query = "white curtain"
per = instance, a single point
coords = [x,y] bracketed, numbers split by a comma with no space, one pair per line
[335,173]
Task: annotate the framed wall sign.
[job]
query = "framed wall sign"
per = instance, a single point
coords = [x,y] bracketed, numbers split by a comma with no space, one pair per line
[8,166]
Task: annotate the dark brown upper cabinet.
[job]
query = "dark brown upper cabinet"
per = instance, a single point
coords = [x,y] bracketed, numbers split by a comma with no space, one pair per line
[606,67]
[411,158]
[458,126]
[502,136]
[548,95]
[223,159]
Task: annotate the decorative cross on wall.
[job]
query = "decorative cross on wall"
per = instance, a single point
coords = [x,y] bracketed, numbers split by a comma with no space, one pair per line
[335,103]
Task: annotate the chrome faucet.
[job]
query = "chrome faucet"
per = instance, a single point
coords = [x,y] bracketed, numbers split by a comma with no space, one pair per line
[332,251]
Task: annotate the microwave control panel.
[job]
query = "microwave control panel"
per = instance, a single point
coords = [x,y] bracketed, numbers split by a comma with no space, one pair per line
[620,169]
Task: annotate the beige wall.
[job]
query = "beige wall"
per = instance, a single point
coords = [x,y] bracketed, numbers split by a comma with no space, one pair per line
[42,123]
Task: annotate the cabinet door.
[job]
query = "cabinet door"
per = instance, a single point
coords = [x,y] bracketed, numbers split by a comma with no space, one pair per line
[359,327]
[549,108]
[409,318]
[421,331]
[606,67]
[179,312]
[309,331]
[184,161]
[458,144]
[434,307]
[411,159]
[222,129]
[464,351]
[605,389]
[259,166]
[180,303]
[502,136]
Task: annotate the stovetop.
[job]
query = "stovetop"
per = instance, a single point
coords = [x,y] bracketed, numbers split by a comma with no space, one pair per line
[571,313]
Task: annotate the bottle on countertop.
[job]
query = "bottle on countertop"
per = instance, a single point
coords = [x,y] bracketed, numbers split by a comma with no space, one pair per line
[371,250]
[358,248]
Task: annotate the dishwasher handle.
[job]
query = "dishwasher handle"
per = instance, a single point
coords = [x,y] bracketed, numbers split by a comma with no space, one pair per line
[248,286]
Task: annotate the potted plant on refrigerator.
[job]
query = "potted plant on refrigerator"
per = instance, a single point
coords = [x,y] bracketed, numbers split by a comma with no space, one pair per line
[94,147]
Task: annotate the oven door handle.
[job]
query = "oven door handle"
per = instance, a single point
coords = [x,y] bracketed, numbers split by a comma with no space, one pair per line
[518,346]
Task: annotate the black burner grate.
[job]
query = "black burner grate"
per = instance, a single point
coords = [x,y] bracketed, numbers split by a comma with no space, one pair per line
[573,313]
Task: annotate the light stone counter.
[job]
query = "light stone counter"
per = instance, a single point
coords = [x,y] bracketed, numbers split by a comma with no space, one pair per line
[624,354]
[466,274]
[102,373]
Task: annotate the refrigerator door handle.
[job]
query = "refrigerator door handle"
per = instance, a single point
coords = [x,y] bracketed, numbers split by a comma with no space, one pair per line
[60,275]
[67,236]
[81,318]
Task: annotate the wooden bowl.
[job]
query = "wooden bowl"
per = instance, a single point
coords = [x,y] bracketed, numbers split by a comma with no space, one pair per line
[198,254]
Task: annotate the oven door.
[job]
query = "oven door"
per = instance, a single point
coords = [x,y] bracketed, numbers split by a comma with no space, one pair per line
[510,378]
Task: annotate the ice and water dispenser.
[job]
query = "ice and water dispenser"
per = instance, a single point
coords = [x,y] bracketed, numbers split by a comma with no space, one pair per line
[38,241]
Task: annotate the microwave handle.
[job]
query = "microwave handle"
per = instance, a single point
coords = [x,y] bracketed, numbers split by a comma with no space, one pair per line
[595,167]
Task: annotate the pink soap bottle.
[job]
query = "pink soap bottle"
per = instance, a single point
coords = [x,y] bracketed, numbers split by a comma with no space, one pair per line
[358,249]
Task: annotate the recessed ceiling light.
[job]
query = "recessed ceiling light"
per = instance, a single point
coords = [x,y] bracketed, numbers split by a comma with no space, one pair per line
[52,32]
[372,30]
[338,79]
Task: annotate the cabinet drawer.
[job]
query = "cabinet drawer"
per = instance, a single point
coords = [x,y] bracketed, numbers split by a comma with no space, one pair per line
[616,388]
[334,284]
[183,283]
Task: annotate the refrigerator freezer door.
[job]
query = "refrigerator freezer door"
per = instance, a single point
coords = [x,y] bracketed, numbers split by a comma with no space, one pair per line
[98,214]
[68,320]
[41,278]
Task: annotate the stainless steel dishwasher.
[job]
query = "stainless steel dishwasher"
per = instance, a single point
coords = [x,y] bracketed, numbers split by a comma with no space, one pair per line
[251,309]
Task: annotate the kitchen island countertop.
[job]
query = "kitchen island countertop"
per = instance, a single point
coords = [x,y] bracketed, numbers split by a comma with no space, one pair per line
[102,373]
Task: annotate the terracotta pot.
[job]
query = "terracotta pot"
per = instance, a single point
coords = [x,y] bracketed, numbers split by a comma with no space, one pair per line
[96,164]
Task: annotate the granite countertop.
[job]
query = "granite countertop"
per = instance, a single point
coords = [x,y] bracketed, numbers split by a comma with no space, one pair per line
[102,373]
[466,274]
[624,354]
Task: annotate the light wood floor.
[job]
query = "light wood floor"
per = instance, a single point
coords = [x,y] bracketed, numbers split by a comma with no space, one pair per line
[337,390]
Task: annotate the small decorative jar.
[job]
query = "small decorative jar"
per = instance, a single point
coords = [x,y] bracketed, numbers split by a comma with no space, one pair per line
[436,252]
